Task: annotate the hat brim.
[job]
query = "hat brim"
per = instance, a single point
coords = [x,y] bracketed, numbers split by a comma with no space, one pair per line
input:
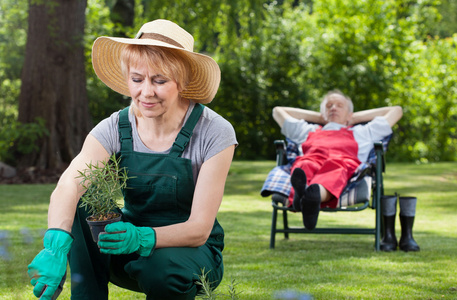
[106,53]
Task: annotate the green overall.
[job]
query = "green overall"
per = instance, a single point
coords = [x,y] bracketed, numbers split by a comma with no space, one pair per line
[159,194]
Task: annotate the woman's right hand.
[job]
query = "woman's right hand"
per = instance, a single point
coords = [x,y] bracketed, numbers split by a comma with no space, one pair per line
[50,265]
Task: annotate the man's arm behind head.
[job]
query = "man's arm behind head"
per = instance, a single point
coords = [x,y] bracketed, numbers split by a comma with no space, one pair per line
[281,113]
[392,114]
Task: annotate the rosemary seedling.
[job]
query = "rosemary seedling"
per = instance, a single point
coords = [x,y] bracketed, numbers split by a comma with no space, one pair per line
[103,183]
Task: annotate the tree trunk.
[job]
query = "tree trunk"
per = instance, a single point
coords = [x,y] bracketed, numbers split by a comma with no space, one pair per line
[54,81]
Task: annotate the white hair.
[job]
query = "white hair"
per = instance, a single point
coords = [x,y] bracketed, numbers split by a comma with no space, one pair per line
[339,93]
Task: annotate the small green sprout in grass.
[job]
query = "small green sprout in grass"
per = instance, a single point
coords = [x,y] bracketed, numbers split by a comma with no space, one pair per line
[207,291]
[233,294]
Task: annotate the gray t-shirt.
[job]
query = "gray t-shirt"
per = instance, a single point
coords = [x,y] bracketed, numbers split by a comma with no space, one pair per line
[211,135]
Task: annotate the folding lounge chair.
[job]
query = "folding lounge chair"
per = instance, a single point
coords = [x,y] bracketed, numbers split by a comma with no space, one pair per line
[365,185]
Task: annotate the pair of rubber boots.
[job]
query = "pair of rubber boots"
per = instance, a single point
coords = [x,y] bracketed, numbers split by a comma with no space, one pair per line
[407,215]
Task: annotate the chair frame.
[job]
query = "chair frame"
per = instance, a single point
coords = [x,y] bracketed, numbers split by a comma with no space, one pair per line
[377,192]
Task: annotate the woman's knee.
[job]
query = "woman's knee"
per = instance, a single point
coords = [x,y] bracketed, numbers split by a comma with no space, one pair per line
[163,278]
[172,273]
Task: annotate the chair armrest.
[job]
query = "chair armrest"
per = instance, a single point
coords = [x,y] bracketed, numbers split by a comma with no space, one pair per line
[278,198]
[281,156]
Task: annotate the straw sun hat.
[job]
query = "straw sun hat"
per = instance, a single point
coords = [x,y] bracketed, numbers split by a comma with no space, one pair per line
[205,72]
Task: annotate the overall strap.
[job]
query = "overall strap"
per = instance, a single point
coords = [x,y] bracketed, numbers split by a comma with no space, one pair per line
[182,140]
[125,131]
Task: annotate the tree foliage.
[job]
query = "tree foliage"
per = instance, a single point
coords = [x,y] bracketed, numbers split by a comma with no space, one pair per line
[13,36]
[289,53]
[428,91]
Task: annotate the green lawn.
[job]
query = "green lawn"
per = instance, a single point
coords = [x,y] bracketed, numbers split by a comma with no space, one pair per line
[325,266]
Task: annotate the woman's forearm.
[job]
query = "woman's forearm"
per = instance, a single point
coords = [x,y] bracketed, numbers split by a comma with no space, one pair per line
[64,200]
[65,197]
[62,209]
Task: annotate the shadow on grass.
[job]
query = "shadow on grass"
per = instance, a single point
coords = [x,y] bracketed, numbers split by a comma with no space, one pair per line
[325,263]
[241,227]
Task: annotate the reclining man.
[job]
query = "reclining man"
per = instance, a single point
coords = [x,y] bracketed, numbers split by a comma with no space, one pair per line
[331,153]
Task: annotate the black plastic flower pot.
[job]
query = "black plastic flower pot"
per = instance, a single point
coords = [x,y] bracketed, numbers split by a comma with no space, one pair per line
[97,227]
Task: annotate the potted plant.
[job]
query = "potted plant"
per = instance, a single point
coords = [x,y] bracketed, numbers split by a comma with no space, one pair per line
[103,183]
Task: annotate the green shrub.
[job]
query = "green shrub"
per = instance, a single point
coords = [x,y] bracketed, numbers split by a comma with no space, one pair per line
[20,137]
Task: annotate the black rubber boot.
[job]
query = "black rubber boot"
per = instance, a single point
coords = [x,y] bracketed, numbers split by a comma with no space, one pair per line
[407,215]
[389,210]
[389,240]
[407,242]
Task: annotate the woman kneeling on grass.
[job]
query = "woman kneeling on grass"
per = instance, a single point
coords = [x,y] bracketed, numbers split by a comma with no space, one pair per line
[177,152]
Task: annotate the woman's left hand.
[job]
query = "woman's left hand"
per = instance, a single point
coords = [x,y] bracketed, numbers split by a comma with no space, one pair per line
[126,238]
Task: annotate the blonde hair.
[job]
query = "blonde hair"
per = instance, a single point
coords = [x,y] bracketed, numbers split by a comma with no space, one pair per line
[171,63]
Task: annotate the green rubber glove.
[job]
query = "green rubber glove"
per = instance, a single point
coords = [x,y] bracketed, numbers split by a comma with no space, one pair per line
[125,238]
[50,265]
